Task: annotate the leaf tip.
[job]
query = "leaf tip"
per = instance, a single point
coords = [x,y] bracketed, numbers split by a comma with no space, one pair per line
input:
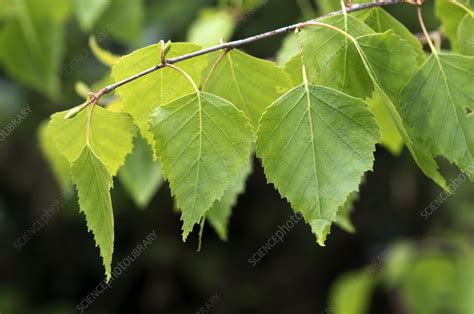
[321,228]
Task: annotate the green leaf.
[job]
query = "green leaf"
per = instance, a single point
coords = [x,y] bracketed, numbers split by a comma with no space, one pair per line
[210,26]
[33,44]
[251,84]
[141,175]
[105,57]
[383,62]
[451,13]
[352,292]
[330,58]
[88,12]
[142,96]
[111,136]
[58,163]
[316,143]
[219,214]
[381,21]
[203,141]
[466,35]
[93,182]
[123,20]
[437,104]
[388,84]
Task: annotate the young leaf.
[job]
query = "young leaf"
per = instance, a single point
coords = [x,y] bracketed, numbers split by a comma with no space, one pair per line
[111,136]
[316,143]
[142,96]
[381,21]
[466,35]
[202,141]
[58,163]
[219,214]
[141,175]
[437,104]
[251,84]
[93,182]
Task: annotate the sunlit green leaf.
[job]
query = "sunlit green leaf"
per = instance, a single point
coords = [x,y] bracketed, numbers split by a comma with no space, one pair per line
[111,136]
[251,84]
[203,141]
[316,143]
[93,183]
[142,96]
[383,64]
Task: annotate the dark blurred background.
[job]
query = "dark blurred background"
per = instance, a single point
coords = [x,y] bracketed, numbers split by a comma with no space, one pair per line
[60,265]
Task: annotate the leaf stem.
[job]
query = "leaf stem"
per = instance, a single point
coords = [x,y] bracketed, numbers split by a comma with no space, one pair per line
[214,67]
[425,31]
[201,232]
[334,28]
[190,79]
[89,124]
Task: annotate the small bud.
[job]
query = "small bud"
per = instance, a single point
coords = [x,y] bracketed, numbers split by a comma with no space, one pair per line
[74,111]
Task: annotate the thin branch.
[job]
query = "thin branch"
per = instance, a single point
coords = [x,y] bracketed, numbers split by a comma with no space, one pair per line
[238,43]
[214,67]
